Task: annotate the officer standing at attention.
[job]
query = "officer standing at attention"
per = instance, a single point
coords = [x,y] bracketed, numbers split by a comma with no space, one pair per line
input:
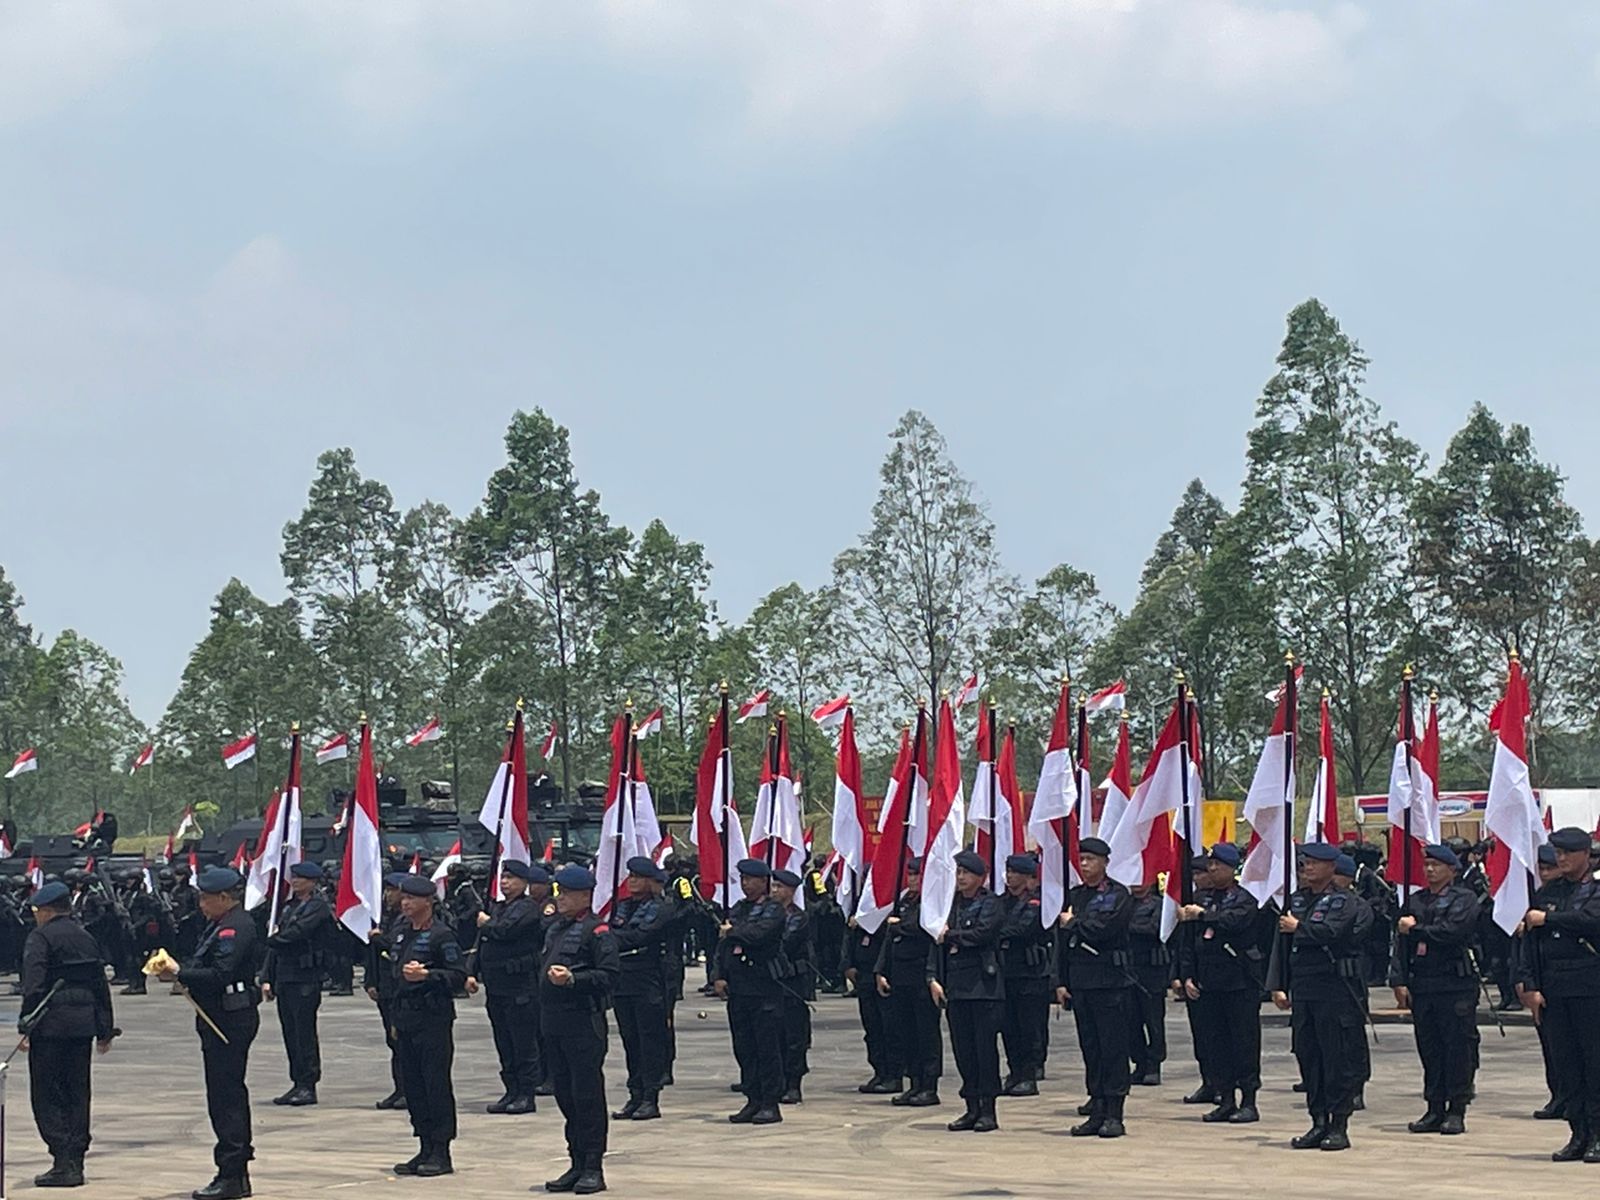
[291,975]
[799,984]
[1550,1110]
[1025,963]
[640,927]
[1328,928]
[428,969]
[1092,969]
[748,962]
[860,958]
[1439,984]
[1152,976]
[510,941]
[1221,971]
[964,979]
[579,973]
[902,979]
[62,973]
[379,981]
[220,977]
[1565,997]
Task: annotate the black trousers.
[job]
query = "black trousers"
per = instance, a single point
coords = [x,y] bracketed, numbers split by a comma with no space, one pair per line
[796,1041]
[58,1085]
[1024,1025]
[672,1033]
[757,1025]
[514,1021]
[1229,1026]
[883,1051]
[913,1021]
[386,1014]
[1446,1028]
[975,1038]
[297,1014]
[426,1055]
[1329,1040]
[1147,1027]
[227,1098]
[1102,1019]
[577,1071]
[1201,1044]
[1572,1026]
[642,1022]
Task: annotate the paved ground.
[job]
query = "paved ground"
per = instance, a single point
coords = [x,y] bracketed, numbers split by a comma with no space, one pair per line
[152,1139]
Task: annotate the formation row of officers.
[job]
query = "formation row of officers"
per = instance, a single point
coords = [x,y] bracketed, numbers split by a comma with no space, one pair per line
[551,969]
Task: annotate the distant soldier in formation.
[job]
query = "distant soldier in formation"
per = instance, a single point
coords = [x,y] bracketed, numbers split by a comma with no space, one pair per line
[1093,976]
[1552,1109]
[901,978]
[429,969]
[1151,976]
[1025,964]
[291,976]
[380,981]
[510,941]
[799,984]
[827,928]
[640,926]
[1344,879]
[749,962]
[859,960]
[964,979]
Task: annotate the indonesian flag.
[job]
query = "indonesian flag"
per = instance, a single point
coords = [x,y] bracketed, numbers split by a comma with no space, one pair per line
[1269,807]
[947,819]
[27,761]
[1115,696]
[549,854]
[995,798]
[1053,803]
[147,879]
[1083,816]
[1276,694]
[166,854]
[441,874]
[432,731]
[776,835]
[505,806]
[1412,795]
[809,838]
[194,869]
[143,759]
[548,746]
[833,713]
[967,691]
[663,851]
[1322,816]
[241,751]
[885,873]
[241,854]
[5,844]
[279,848]
[650,725]
[713,786]
[1511,813]
[83,831]
[335,748]
[1119,784]
[187,825]
[982,810]
[1148,842]
[416,863]
[35,875]
[358,903]
[647,838]
[756,706]
[617,837]
[850,841]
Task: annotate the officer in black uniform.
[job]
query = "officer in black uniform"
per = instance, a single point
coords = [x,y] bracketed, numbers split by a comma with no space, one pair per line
[859,957]
[66,1007]
[1344,879]
[640,927]
[911,1015]
[510,941]
[429,968]
[220,978]
[1321,984]
[291,975]
[1221,972]
[150,926]
[1025,963]
[379,981]
[580,970]
[799,983]
[1433,975]
[964,979]
[1092,971]
[679,898]
[827,931]
[1152,976]
[1552,1109]
[749,963]
[1564,929]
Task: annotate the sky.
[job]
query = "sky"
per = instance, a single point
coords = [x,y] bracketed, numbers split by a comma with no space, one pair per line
[727,244]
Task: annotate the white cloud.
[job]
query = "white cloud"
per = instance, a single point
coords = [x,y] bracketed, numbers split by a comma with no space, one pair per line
[54,52]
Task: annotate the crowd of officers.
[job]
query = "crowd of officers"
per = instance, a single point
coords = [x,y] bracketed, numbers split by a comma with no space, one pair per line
[550,969]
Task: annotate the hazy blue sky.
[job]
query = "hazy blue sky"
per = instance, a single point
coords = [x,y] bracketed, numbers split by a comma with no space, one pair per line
[728,244]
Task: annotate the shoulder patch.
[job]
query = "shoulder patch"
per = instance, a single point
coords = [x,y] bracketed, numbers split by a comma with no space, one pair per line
[602,928]
[1034,902]
[227,933]
[452,952]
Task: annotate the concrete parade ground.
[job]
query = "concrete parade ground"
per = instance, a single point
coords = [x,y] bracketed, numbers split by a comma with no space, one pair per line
[152,1140]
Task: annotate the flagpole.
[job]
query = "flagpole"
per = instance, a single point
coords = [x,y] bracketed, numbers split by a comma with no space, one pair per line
[1290,728]
[911,800]
[725,757]
[1085,798]
[624,781]
[994,808]
[284,805]
[772,794]
[1066,818]
[505,797]
[1408,723]
[1186,867]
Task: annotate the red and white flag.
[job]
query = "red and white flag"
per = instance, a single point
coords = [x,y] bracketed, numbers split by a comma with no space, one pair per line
[35,875]
[167,854]
[358,903]
[831,715]
[431,731]
[1413,801]
[1322,816]
[617,834]
[966,692]
[187,825]
[6,848]
[713,790]
[851,842]
[143,759]
[441,874]
[1511,813]
[1053,803]
[241,751]
[194,870]
[279,848]
[993,811]
[416,863]
[1148,841]
[647,838]
[947,820]
[1275,694]
[241,855]
[756,706]
[1269,808]
[894,845]
[27,761]
[335,748]
[776,835]
[505,806]
[650,725]
[1114,697]
[663,850]
[548,746]
[1118,785]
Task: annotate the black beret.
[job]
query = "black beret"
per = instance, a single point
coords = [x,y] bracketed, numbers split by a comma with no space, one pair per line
[1320,852]
[787,878]
[1022,864]
[1344,865]
[1442,854]
[538,873]
[1570,838]
[971,860]
[416,885]
[216,880]
[1547,855]
[49,895]
[1093,845]
[575,879]
[1225,853]
[754,868]
[517,870]
[639,864]
[395,878]
[306,870]
[914,863]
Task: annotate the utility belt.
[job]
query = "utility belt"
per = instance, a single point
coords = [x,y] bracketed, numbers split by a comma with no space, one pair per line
[239,995]
[426,1000]
[522,964]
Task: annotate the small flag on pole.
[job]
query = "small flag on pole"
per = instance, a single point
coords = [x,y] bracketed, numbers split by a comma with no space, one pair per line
[335,748]
[548,746]
[143,758]
[432,731]
[969,689]
[756,706]
[831,714]
[241,751]
[27,761]
[650,725]
[1113,697]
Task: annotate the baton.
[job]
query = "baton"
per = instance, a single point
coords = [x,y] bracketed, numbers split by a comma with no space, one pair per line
[200,1012]
[1483,986]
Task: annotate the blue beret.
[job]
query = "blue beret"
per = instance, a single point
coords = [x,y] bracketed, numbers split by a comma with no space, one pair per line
[787,878]
[517,870]
[306,870]
[1320,852]
[1442,854]
[914,863]
[1225,853]
[215,880]
[1092,845]
[538,873]
[395,878]
[1022,864]
[1344,865]
[1570,838]
[971,860]
[50,894]
[574,879]
[416,885]
[754,868]
[1547,855]
[641,865]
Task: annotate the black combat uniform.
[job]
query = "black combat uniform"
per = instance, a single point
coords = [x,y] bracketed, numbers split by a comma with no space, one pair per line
[967,965]
[1223,958]
[1025,964]
[1434,961]
[750,961]
[424,1023]
[509,946]
[910,1013]
[800,989]
[379,981]
[860,958]
[679,899]
[1564,959]
[293,969]
[150,927]
[1093,965]
[827,926]
[641,926]
[1152,975]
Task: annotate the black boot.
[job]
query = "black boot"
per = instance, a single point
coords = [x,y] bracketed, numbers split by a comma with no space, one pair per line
[224,1187]
[791,1095]
[1575,1147]
[745,1115]
[411,1165]
[926,1096]
[1430,1121]
[395,1099]
[301,1097]
[882,1086]
[437,1163]
[987,1121]
[966,1120]
[904,1098]
[649,1109]
[1313,1137]
[1553,1110]
[1455,1118]
[625,1113]
[591,1179]
[524,1103]
[1113,1127]
[1086,1109]
[1592,1154]
[66,1171]
[1097,1118]
[567,1180]
[1022,1086]
[500,1105]
[767,1114]
[287,1097]
[1204,1094]
[1223,1111]
[1149,1078]
[1247,1113]
[1338,1133]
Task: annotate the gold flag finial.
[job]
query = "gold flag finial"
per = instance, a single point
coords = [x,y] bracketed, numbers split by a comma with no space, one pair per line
[294,726]
[362,719]
[519,704]
[1179,677]
[1288,658]
[1326,694]
[1409,673]
[1433,695]
[1514,655]
[723,687]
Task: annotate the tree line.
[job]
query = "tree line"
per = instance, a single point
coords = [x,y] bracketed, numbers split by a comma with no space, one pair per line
[1342,543]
